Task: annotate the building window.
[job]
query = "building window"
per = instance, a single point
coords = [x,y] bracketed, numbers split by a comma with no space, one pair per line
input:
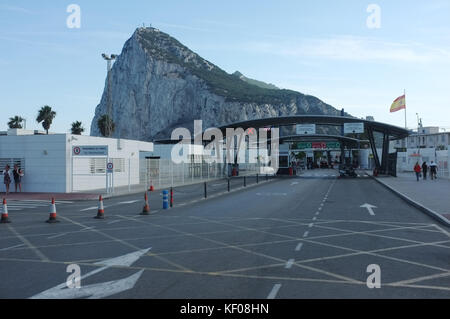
[11,162]
[97,165]
[119,165]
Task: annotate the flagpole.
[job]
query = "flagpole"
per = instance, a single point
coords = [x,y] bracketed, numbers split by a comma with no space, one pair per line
[406,126]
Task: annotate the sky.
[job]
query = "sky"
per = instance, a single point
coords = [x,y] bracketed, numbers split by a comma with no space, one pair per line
[350,54]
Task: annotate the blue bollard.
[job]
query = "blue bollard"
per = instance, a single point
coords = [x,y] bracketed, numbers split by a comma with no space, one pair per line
[165,199]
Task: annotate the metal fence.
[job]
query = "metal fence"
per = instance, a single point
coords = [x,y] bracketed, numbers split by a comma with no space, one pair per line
[164,173]
[90,174]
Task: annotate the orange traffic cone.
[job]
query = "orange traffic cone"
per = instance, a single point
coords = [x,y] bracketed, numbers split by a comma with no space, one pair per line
[101,210]
[146,210]
[5,217]
[151,189]
[52,219]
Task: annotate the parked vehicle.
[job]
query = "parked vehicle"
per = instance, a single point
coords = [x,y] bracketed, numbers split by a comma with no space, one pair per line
[347,171]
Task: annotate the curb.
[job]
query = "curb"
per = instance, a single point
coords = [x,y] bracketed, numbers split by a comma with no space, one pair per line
[438,217]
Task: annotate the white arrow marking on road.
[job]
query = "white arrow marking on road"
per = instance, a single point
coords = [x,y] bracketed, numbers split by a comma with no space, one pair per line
[101,290]
[369,208]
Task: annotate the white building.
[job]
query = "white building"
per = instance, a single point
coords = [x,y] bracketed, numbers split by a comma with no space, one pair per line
[425,145]
[426,137]
[65,163]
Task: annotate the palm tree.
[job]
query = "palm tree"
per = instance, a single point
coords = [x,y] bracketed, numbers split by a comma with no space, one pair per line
[15,122]
[77,128]
[46,116]
[106,125]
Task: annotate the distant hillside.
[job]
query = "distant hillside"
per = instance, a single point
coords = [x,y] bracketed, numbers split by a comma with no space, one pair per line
[260,84]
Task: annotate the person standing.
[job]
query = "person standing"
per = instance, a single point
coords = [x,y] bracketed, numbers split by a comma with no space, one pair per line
[7,178]
[424,170]
[433,170]
[417,169]
[18,174]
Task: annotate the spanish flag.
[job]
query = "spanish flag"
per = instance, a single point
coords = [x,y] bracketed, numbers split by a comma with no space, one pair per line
[399,104]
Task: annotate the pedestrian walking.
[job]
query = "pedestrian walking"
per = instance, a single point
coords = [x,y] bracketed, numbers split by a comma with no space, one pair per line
[424,170]
[18,174]
[433,170]
[417,169]
[7,178]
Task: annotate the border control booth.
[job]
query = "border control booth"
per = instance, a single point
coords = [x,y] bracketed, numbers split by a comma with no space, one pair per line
[377,135]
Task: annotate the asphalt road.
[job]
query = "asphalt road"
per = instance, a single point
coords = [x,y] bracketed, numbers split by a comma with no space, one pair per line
[286,238]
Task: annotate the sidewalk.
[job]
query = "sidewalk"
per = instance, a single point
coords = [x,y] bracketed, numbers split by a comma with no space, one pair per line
[48,196]
[431,196]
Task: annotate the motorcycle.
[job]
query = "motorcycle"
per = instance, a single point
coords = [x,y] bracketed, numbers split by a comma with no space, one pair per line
[347,171]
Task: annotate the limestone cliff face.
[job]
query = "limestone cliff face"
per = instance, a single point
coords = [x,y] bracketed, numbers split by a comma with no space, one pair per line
[157,84]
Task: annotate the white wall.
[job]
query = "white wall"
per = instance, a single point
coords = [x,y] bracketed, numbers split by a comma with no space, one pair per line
[45,160]
[407,160]
[48,161]
[117,149]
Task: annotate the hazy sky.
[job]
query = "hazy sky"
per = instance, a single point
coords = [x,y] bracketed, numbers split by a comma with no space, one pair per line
[322,48]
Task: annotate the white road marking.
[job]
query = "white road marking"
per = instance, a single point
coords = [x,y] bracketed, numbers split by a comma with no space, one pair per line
[26,205]
[306,234]
[315,218]
[12,247]
[90,208]
[44,201]
[56,236]
[299,246]
[442,230]
[114,221]
[310,225]
[274,291]
[101,290]
[289,263]
[294,183]
[129,202]
[369,208]
[30,245]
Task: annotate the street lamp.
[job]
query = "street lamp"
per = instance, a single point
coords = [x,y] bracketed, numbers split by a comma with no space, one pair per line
[109,60]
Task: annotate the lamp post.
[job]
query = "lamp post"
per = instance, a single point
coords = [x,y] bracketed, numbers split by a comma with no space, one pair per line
[109,60]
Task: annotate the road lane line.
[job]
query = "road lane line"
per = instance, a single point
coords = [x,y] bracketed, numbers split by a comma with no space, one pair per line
[311,225]
[306,234]
[299,246]
[90,208]
[30,245]
[129,202]
[414,280]
[315,218]
[274,291]
[56,236]
[442,230]
[12,247]
[113,222]
[289,264]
